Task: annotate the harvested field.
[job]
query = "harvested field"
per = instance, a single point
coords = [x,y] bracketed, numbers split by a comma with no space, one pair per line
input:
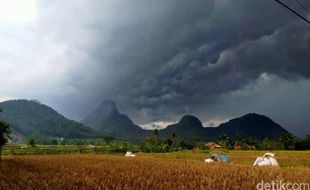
[142,172]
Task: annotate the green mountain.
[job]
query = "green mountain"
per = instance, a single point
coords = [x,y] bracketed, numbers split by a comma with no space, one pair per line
[32,118]
[106,118]
[251,125]
[188,127]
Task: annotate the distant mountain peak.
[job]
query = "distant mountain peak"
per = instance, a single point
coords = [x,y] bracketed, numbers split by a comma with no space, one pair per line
[253,125]
[107,107]
[189,126]
[108,119]
[109,103]
[254,115]
[36,101]
[189,120]
[253,118]
[250,125]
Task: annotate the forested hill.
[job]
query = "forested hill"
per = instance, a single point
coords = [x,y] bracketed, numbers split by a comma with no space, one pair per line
[31,117]
[251,125]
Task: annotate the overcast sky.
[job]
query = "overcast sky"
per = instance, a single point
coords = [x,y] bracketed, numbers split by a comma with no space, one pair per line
[159,60]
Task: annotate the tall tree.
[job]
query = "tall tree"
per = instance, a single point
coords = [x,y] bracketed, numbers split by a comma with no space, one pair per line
[5,132]
[156,135]
[224,141]
[288,140]
[174,137]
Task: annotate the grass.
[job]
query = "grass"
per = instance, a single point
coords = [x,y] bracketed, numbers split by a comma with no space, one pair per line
[177,170]
[53,149]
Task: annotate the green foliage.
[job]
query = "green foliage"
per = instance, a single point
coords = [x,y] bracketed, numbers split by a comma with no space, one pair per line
[267,144]
[54,142]
[184,145]
[5,132]
[108,139]
[196,140]
[55,149]
[174,138]
[31,142]
[153,144]
[288,141]
[123,147]
[168,142]
[225,142]
[156,148]
[201,146]
[98,146]
[303,144]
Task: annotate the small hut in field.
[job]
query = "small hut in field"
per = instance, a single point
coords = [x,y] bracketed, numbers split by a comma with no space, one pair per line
[213,145]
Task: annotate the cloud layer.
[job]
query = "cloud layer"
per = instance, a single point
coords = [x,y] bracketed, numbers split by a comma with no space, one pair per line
[161,60]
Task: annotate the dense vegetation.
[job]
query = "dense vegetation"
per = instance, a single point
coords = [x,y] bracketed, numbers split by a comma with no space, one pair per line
[4,133]
[29,118]
[286,141]
[154,144]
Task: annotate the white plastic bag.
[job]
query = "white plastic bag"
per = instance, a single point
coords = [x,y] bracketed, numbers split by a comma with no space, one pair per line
[209,160]
[273,162]
[130,154]
[265,161]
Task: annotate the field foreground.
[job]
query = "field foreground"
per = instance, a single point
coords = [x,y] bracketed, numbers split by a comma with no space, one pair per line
[142,172]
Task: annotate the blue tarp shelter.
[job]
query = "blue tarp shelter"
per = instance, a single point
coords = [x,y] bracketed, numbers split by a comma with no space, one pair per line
[218,156]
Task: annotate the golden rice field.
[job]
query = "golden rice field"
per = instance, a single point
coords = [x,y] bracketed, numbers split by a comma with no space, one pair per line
[180,170]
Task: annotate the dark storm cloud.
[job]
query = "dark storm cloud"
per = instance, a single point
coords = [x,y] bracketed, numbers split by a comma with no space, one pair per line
[162,59]
[186,55]
[226,60]
[222,52]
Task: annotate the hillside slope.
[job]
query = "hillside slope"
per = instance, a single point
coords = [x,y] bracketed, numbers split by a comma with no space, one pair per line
[188,127]
[106,118]
[251,125]
[30,117]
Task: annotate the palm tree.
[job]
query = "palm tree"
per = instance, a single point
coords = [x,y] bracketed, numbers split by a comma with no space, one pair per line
[156,136]
[224,141]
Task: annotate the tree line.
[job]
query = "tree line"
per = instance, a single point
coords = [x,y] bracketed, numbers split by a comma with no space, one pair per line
[155,143]
[5,132]
[286,141]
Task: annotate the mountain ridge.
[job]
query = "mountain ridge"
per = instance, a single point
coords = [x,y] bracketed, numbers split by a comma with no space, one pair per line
[250,125]
[28,117]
